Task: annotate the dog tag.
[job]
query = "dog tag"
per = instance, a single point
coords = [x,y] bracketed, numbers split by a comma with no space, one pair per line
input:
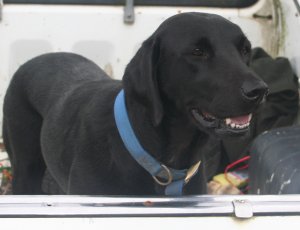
[192,171]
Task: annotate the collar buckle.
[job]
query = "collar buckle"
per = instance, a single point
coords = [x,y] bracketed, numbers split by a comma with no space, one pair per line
[192,171]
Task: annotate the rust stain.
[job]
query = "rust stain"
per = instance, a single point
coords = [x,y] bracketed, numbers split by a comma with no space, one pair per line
[148,203]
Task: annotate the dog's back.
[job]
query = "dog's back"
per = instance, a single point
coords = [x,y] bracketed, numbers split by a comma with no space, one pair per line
[44,83]
[48,77]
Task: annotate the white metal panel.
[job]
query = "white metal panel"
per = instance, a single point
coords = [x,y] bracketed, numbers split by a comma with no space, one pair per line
[95,31]
[150,223]
[241,206]
[211,212]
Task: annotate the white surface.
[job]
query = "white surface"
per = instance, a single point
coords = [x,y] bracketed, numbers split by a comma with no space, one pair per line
[150,223]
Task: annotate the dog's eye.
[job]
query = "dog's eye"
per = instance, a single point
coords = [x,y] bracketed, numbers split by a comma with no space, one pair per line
[201,53]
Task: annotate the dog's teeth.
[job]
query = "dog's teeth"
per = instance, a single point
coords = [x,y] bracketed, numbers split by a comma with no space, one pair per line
[233,125]
[229,122]
[236,126]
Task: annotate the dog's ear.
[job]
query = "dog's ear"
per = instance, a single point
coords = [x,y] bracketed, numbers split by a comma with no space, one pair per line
[141,78]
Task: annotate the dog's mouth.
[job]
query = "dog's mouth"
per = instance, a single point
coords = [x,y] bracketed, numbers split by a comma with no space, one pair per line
[230,125]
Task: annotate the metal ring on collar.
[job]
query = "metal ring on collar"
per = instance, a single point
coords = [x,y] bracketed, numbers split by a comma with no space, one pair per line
[170,177]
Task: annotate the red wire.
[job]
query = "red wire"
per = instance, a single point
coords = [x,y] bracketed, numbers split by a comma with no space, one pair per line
[237,162]
[230,166]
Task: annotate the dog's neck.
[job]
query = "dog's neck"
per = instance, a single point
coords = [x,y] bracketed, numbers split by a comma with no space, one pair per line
[182,143]
[174,142]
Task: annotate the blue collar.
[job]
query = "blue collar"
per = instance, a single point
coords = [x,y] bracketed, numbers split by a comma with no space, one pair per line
[172,179]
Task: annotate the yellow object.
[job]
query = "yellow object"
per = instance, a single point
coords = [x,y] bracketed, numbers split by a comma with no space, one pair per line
[233,178]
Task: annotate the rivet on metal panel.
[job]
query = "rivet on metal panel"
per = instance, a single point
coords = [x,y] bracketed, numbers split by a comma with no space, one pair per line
[242,209]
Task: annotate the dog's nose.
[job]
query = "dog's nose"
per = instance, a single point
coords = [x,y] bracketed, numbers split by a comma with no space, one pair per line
[254,91]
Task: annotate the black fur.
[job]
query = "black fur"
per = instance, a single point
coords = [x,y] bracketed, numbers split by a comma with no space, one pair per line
[58,110]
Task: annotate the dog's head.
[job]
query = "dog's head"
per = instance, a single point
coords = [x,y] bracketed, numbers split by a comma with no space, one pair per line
[196,65]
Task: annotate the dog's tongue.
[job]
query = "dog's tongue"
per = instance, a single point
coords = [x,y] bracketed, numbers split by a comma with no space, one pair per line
[241,120]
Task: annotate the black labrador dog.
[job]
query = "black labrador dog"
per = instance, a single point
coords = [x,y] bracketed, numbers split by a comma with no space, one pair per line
[190,79]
